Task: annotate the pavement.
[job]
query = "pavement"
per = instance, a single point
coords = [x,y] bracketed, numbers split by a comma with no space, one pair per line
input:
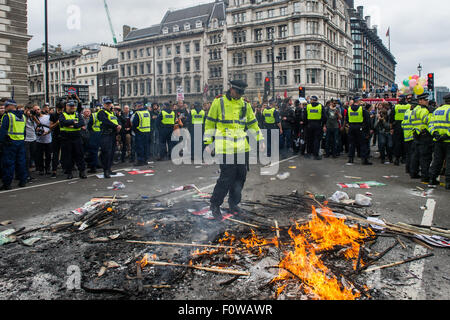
[396,202]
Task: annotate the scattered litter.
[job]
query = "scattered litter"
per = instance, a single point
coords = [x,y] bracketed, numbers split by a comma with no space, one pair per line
[130,181]
[6,222]
[184,188]
[283,176]
[30,242]
[338,196]
[169,171]
[118,174]
[436,241]
[90,206]
[5,236]
[349,177]
[361,185]
[149,175]
[420,189]
[390,177]
[198,167]
[320,197]
[73,182]
[422,193]
[377,221]
[369,194]
[145,197]
[136,172]
[363,200]
[292,167]
[117,185]
[273,179]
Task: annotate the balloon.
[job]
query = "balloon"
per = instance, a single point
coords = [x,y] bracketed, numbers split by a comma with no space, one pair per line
[422,81]
[406,83]
[418,90]
[410,77]
[415,77]
[412,83]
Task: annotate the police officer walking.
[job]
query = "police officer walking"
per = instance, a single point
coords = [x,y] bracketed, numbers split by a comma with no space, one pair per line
[196,121]
[408,134]
[440,130]
[71,143]
[12,140]
[141,126]
[358,121]
[396,119]
[166,123]
[315,121]
[94,141]
[271,121]
[423,140]
[227,122]
[109,129]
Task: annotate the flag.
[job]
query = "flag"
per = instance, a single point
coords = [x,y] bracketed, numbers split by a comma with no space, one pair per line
[364,86]
[388,33]
[285,94]
[259,97]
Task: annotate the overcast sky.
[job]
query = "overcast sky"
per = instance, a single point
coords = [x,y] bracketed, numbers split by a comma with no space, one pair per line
[419,31]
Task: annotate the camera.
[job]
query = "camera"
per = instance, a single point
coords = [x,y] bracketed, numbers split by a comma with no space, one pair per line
[40,131]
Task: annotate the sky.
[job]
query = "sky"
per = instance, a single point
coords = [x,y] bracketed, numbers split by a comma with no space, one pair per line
[419,31]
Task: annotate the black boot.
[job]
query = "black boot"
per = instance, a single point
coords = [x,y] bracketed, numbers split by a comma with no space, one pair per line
[83,175]
[69,176]
[216,212]
[236,210]
[92,170]
[367,163]
[22,184]
[107,175]
[397,162]
[4,187]
[433,183]
[447,186]
[351,160]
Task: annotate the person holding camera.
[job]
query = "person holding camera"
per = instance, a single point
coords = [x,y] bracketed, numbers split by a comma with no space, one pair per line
[385,142]
[12,138]
[43,143]
[30,138]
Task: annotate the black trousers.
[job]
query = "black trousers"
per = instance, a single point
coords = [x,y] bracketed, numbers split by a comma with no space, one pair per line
[409,149]
[398,140]
[108,148]
[441,154]
[56,149]
[314,135]
[72,152]
[231,181]
[43,156]
[422,156]
[30,154]
[356,140]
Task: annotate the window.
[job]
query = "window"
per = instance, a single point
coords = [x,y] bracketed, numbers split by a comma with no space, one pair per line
[258,79]
[160,87]
[297,52]
[238,17]
[297,28]
[178,49]
[197,85]
[312,27]
[197,64]
[187,85]
[198,24]
[149,52]
[187,65]
[312,76]
[165,30]
[239,58]
[271,13]
[283,11]
[239,36]
[313,51]
[270,32]
[149,68]
[135,54]
[142,67]
[178,67]
[169,86]
[296,6]
[283,31]
[160,68]
[168,67]
[176,28]
[135,69]
[312,6]
[259,15]
[141,53]
[258,35]
[197,47]
[187,48]
[269,55]
[135,88]
[283,77]
[187,26]
[142,91]
[282,53]
[297,76]
[129,71]
[122,56]
[258,56]
[149,86]
[168,51]
[159,52]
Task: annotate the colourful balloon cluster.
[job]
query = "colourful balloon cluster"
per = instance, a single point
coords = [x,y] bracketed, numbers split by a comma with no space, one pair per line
[414,84]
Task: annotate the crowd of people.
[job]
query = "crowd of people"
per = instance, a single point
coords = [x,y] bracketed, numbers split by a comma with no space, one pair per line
[45,138]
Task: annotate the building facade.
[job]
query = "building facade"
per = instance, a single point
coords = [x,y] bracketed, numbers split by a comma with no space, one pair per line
[373,63]
[441,92]
[162,61]
[13,50]
[108,81]
[309,43]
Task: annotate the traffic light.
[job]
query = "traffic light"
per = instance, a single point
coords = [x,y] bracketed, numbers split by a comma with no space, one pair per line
[301,92]
[266,87]
[431,81]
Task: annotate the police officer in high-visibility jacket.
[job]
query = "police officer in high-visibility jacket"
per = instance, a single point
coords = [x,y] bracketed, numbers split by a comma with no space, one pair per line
[196,122]
[229,123]
[408,135]
[271,121]
[358,121]
[141,127]
[396,119]
[166,123]
[109,129]
[94,141]
[12,139]
[423,140]
[440,130]
[71,122]
[315,120]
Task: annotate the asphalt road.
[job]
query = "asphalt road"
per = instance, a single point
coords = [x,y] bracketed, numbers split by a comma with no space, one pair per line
[396,202]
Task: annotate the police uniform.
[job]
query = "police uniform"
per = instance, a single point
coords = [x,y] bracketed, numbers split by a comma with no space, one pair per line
[12,138]
[197,120]
[397,118]
[440,130]
[166,123]
[108,134]
[142,127]
[227,123]
[271,121]
[94,141]
[408,135]
[71,142]
[423,141]
[315,118]
[359,125]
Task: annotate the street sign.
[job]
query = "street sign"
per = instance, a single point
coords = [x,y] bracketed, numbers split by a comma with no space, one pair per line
[180,93]
[71,91]
[375,101]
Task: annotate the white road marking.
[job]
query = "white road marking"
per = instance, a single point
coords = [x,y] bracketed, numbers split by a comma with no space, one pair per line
[414,291]
[285,160]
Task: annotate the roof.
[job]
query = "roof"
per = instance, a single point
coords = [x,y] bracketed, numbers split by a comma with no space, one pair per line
[142,33]
[111,62]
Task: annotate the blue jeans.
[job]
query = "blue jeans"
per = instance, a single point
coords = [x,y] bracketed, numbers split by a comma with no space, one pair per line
[286,139]
[14,161]
[385,145]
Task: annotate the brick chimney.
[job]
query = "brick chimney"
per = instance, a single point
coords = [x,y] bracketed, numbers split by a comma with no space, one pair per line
[126,31]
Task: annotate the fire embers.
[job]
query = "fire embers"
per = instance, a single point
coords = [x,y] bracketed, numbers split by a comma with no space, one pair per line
[304,261]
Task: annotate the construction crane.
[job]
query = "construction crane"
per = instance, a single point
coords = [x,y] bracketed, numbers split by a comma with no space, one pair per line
[110,22]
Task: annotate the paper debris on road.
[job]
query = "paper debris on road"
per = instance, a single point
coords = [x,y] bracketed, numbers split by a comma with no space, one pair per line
[136,172]
[118,174]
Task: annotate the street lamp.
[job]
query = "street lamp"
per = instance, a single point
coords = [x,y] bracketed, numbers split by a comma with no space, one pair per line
[419,68]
